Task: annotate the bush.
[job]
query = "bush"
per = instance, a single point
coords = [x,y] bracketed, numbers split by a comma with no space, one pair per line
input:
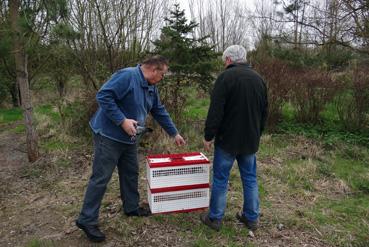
[274,72]
[76,115]
[311,90]
[352,104]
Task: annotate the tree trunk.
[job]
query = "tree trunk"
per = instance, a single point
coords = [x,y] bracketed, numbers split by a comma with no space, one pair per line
[22,80]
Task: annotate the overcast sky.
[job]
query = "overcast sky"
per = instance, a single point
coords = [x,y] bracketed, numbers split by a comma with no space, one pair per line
[250,5]
[184,4]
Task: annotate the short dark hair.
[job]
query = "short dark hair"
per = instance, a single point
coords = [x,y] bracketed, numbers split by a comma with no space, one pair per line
[158,61]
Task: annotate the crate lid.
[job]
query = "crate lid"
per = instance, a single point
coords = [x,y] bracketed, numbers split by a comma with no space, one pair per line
[179,159]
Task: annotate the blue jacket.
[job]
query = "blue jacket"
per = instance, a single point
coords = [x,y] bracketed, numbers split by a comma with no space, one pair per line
[127,94]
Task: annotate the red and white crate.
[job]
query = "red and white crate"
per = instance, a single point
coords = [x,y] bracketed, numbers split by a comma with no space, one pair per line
[178,182]
[178,199]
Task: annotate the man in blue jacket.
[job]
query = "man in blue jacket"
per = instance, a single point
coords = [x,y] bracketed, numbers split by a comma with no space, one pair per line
[124,102]
[236,120]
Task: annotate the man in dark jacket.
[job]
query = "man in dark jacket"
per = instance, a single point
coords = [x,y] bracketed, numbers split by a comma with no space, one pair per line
[124,102]
[236,119]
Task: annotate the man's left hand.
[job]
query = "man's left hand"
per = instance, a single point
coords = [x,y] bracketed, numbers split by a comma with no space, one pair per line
[179,140]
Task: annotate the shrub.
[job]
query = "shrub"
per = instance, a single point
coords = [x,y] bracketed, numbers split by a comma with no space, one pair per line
[311,90]
[352,104]
[76,115]
[274,72]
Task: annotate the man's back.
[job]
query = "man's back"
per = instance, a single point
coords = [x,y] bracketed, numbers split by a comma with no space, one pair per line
[238,110]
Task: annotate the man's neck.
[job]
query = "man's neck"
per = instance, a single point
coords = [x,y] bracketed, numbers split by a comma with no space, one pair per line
[145,71]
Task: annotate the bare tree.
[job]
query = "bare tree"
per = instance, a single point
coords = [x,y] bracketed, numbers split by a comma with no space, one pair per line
[112,34]
[22,80]
[329,23]
[264,19]
[225,22]
[358,11]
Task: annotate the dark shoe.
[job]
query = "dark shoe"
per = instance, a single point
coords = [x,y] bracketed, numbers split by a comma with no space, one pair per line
[140,212]
[213,224]
[252,225]
[92,231]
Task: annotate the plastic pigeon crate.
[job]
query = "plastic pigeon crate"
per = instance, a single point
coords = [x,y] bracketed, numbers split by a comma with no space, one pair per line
[178,182]
[170,170]
[178,199]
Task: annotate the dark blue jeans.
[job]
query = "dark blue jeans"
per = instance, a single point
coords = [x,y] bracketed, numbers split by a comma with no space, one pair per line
[107,155]
[222,166]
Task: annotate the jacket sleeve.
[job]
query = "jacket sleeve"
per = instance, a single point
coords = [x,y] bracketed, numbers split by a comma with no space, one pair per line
[161,115]
[216,109]
[264,111]
[114,89]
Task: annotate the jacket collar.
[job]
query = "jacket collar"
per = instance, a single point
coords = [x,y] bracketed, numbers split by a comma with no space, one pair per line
[144,82]
[238,65]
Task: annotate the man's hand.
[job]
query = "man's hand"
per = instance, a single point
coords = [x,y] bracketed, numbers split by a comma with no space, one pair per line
[207,145]
[129,126]
[179,140]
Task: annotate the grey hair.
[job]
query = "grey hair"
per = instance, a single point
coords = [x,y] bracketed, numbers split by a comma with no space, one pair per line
[236,53]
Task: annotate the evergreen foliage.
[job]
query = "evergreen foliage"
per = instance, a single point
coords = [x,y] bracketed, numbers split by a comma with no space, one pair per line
[192,61]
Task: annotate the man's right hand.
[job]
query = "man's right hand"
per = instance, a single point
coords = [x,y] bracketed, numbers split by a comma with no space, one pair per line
[129,126]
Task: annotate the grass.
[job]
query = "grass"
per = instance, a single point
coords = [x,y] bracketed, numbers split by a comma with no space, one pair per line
[331,185]
[196,108]
[40,243]
[57,144]
[343,221]
[42,114]
[354,172]
[330,130]
[320,171]
[48,110]
[10,115]
[19,129]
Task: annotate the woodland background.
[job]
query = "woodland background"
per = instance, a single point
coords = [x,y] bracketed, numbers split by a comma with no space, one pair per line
[313,160]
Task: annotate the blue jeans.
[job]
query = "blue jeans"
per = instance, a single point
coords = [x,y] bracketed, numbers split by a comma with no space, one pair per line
[107,155]
[222,166]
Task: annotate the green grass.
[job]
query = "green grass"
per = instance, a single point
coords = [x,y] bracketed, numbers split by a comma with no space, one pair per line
[354,172]
[40,243]
[299,174]
[271,145]
[19,129]
[55,144]
[329,134]
[329,130]
[343,221]
[189,224]
[330,114]
[10,115]
[15,114]
[340,215]
[48,110]
[196,108]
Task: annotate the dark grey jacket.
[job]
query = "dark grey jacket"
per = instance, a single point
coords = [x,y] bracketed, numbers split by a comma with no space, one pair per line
[238,110]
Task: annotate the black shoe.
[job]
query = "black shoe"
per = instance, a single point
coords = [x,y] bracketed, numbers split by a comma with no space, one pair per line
[213,224]
[140,212]
[92,231]
[252,225]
